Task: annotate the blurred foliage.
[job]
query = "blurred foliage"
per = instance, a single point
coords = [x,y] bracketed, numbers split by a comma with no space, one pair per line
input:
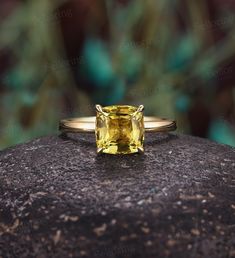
[59,58]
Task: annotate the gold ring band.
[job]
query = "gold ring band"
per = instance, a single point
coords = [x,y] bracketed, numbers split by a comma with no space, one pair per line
[118,129]
[87,125]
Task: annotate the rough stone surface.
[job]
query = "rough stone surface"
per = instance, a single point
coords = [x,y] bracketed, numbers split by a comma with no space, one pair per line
[59,199]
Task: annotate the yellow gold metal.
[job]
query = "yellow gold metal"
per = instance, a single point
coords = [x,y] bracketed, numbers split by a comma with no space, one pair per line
[87,125]
[118,129]
[140,150]
[100,110]
[99,150]
[140,108]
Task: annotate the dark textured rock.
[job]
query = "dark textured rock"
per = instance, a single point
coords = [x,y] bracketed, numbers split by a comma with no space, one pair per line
[59,199]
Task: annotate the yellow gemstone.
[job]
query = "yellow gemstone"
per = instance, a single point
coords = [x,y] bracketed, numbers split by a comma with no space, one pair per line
[119,130]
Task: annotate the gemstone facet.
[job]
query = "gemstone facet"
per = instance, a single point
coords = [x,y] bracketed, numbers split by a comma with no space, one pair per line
[119,129]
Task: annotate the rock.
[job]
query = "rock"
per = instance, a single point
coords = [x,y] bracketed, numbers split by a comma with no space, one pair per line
[58,198]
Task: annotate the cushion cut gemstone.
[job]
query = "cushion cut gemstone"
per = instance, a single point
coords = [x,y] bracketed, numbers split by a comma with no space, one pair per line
[119,130]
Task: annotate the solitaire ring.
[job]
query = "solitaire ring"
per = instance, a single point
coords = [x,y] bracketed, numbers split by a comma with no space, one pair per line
[118,129]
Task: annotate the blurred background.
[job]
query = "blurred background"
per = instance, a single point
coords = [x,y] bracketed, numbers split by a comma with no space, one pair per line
[59,58]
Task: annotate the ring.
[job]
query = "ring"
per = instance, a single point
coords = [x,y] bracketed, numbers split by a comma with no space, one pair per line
[119,129]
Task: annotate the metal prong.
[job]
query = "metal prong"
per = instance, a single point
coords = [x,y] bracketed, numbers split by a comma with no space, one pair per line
[99,150]
[140,150]
[140,108]
[99,108]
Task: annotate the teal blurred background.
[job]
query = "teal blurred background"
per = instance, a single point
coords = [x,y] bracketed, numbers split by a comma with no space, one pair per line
[59,58]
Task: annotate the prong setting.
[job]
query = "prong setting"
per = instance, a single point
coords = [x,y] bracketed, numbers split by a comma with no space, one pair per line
[99,150]
[119,129]
[100,110]
[140,108]
[140,150]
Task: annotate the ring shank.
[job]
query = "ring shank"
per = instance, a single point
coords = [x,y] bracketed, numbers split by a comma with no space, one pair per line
[87,124]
